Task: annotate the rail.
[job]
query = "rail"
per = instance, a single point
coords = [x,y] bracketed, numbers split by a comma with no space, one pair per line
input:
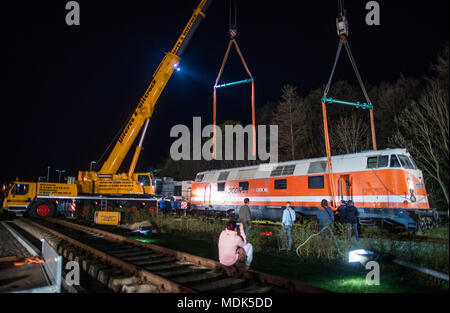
[168,270]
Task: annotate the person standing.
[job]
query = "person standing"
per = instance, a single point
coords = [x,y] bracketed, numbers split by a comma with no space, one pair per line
[341,212]
[245,216]
[351,214]
[325,216]
[287,221]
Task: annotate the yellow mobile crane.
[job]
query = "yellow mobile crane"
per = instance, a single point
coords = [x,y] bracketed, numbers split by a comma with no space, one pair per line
[106,181]
[40,199]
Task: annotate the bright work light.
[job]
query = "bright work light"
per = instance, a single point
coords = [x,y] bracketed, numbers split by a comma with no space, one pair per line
[362,256]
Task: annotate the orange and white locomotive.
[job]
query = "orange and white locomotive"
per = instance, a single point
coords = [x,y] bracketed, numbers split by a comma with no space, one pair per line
[384,185]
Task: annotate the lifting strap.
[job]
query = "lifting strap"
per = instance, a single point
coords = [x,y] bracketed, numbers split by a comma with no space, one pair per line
[233,32]
[342,28]
[344,42]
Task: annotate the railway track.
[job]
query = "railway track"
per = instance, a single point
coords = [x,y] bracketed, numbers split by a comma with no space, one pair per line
[128,265]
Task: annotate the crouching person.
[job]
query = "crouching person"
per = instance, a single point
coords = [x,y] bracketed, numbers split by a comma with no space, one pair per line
[234,252]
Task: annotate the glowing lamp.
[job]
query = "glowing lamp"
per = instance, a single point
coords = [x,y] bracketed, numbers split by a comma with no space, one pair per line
[361,255]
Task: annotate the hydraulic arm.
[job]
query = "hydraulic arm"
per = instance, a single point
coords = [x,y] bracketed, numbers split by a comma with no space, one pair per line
[140,117]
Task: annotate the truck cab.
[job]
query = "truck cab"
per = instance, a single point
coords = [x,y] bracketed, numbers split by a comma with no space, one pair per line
[38,199]
[19,196]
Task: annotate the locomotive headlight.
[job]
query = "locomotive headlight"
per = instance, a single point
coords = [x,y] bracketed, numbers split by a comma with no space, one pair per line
[410,185]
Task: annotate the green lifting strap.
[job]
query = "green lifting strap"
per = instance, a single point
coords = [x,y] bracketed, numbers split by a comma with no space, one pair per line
[245,81]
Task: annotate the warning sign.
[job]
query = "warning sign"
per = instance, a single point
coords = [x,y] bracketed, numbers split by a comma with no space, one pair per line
[107,218]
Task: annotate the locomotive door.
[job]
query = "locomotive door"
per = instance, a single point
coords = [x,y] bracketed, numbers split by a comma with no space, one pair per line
[345,188]
[207,194]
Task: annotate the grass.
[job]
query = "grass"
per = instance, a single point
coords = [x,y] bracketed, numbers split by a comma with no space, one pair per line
[334,277]
[320,264]
[441,231]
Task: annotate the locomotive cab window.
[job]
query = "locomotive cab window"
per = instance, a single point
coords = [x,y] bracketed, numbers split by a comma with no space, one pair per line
[221,187]
[394,161]
[406,163]
[383,161]
[199,178]
[280,184]
[315,182]
[243,186]
[413,163]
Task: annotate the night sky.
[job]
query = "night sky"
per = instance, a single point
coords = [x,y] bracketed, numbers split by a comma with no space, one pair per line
[67,90]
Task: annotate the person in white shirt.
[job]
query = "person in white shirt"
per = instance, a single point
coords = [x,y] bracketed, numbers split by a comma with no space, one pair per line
[287,221]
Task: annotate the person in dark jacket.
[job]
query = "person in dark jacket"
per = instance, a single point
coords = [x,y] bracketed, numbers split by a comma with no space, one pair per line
[341,212]
[325,216]
[245,216]
[351,218]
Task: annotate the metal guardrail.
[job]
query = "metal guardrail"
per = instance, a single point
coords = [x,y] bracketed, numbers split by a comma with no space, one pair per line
[52,269]
[52,265]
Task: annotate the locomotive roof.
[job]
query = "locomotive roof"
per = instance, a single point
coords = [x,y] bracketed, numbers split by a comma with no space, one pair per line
[335,158]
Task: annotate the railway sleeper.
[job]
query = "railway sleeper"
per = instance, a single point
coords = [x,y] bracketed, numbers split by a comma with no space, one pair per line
[116,282]
[69,253]
[138,252]
[134,252]
[104,275]
[179,272]
[254,289]
[124,250]
[166,266]
[139,258]
[86,263]
[221,285]
[74,254]
[198,277]
[155,261]
[139,288]
[94,268]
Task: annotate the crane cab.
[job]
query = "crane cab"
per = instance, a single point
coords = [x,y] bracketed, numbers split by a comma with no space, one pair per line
[115,184]
[146,181]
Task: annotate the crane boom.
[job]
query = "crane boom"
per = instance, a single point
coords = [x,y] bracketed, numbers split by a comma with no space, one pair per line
[146,105]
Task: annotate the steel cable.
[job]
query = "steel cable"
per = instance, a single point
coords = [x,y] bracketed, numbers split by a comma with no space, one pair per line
[334,68]
[355,68]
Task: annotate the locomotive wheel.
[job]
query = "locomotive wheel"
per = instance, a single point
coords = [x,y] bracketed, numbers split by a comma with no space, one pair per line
[231,214]
[430,223]
[422,224]
[42,209]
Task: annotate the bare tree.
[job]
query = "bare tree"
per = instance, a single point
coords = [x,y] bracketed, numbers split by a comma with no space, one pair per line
[424,130]
[350,134]
[289,117]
